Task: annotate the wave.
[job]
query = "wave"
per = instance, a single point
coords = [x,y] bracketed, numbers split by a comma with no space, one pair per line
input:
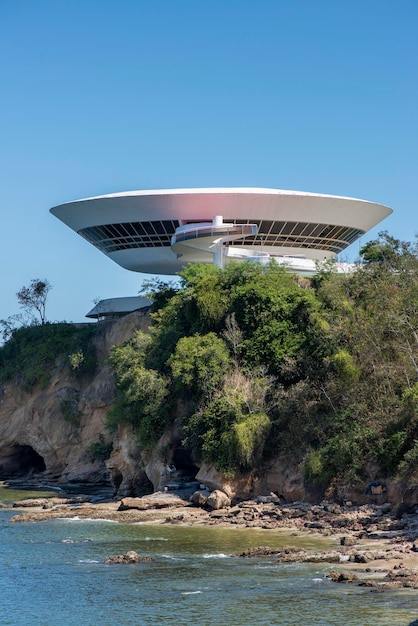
[190,593]
[155,539]
[170,557]
[76,518]
[219,555]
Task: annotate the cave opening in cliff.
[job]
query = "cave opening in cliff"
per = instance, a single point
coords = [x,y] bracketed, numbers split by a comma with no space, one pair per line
[24,460]
[183,462]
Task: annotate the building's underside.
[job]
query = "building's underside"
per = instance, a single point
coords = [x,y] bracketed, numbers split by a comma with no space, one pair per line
[161,231]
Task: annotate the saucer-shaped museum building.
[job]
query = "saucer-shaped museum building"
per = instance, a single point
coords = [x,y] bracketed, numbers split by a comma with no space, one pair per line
[160,231]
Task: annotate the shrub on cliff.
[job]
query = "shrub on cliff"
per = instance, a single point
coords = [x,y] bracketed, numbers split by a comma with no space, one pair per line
[199,364]
[371,385]
[223,345]
[33,352]
[265,363]
[142,393]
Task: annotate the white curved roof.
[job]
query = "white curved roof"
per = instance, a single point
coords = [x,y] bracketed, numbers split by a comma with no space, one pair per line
[134,228]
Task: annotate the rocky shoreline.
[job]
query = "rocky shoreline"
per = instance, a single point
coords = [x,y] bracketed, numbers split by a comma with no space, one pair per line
[374,544]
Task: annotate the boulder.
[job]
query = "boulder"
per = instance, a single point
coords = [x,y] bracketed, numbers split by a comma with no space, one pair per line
[341,577]
[271,499]
[31,502]
[132,503]
[239,486]
[218,500]
[199,498]
[348,541]
[157,500]
[362,557]
[128,558]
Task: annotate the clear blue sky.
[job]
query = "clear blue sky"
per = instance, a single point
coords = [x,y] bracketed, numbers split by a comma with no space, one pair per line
[101,96]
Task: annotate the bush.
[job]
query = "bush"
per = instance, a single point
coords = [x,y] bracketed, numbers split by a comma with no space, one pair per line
[208,432]
[315,471]
[249,436]
[390,451]
[142,393]
[33,352]
[200,363]
[345,367]
[100,450]
[408,467]
[225,435]
[70,412]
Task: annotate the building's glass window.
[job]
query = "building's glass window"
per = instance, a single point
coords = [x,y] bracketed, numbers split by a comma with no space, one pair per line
[112,237]
[130,235]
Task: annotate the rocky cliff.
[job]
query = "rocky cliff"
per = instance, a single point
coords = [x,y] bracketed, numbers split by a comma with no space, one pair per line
[57,435]
[40,438]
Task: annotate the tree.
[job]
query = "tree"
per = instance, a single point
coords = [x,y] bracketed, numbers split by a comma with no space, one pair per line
[32,299]
[199,363]
[9,325]
[278,318]
[386,250]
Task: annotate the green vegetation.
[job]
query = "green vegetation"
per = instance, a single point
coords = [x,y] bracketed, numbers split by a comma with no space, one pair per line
[70,412]
[222,350]
[372,380]
[33,298]
[142,392]
[101,450]
[198,364]
[33,352]
[257,363]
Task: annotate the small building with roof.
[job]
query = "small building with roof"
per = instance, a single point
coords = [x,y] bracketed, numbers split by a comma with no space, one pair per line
[113,308]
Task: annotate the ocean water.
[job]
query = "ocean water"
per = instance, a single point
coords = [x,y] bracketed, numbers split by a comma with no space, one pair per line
[53,573]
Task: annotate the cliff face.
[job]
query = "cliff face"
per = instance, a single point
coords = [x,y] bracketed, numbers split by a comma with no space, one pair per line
[37,435]
[39,438]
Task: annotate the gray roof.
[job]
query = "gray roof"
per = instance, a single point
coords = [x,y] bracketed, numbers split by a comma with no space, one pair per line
[119,306]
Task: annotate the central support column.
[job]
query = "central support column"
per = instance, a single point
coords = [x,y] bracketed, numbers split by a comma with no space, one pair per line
[218,249]
[197,240]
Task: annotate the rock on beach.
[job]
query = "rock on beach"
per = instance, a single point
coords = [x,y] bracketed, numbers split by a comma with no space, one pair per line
[358,536]
[129,558]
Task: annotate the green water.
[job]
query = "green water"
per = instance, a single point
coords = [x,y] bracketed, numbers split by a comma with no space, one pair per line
[8,496]
[54,573]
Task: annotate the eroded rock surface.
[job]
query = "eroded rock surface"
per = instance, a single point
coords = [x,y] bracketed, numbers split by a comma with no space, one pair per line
[37,439]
